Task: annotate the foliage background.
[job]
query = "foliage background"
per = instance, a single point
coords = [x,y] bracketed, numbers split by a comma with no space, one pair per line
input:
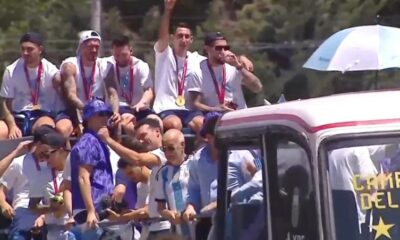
[278,35]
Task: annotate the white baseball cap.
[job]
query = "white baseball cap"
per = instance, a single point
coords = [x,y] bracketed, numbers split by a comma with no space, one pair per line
[87,35]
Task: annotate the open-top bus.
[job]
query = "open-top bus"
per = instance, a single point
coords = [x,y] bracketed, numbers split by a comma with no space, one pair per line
[331,169]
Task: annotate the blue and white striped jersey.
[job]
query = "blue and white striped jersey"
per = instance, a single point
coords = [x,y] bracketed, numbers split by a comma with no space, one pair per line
[172,188]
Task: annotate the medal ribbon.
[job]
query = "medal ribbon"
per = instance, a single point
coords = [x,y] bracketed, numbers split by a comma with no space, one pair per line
[128,97]
[181,82]
[38,168]
[55,185]
[220,91]
[88,86]
[34,89]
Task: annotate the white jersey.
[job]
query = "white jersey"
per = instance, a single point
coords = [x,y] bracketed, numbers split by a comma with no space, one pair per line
[141,78]
[153,213]
[98,90]
[202,81]
[143,190]
[67,168]
[172,188]
[20,176]
[166,89]
[16,87]
[344,164]
[46,190]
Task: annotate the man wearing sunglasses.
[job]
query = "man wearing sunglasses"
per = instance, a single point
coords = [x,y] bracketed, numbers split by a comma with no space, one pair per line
[19,177]
[217,85]
[172,68]
[172,182]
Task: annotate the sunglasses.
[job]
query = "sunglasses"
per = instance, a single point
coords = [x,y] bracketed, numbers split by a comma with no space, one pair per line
[185,36]
[220,48]
[168,148]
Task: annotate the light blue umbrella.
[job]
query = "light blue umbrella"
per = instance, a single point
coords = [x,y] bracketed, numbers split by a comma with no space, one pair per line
[361,48]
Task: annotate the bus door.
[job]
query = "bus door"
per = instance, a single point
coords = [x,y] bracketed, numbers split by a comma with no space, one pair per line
[292,192]
[265,190]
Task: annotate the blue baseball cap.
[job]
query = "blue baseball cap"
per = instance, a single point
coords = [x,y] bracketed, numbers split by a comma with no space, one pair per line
[94,107]
[209,122]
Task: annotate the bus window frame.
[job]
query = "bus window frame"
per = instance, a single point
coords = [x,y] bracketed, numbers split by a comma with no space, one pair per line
[336,142]
[269,138]
[222,191]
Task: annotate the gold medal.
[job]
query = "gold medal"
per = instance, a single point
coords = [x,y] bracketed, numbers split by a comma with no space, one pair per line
[180,101]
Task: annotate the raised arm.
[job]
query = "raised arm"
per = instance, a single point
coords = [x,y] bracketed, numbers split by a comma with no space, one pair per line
[22,148]
[69,85]
[163,35]
[251,81]
[139,159]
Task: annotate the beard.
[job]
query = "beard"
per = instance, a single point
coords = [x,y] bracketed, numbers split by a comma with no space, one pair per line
[219,60]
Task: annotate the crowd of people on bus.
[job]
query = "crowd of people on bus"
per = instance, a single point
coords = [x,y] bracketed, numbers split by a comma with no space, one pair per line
[145,176]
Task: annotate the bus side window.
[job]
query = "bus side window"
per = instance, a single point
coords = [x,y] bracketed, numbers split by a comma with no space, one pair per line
[246,212]
[295,216]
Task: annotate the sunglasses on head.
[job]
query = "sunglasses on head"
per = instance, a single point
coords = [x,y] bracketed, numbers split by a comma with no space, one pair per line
[219,48]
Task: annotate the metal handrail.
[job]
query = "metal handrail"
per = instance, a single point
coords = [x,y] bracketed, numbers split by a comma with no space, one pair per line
[147,221]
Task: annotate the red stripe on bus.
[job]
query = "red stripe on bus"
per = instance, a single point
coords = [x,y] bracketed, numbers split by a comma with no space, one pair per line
[302,123]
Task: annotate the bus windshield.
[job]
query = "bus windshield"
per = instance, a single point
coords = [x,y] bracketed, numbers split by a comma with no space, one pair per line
[364,179]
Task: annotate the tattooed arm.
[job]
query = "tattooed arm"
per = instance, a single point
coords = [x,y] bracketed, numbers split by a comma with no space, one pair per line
[111,88]
[69,84]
